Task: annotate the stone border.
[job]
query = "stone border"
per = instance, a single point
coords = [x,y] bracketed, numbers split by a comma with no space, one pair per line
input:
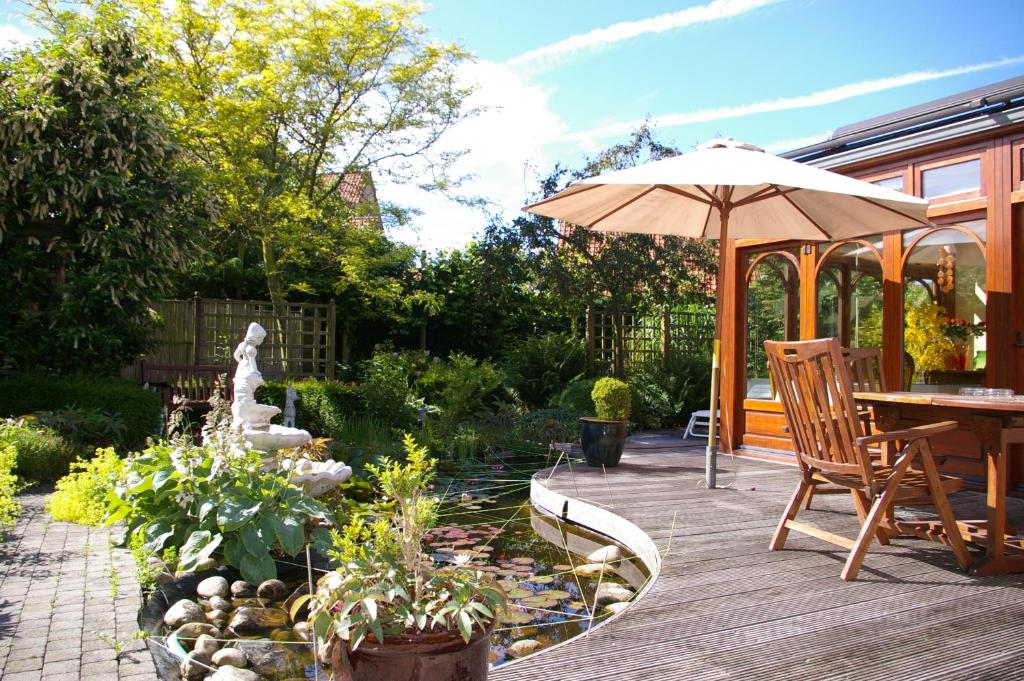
[599,520]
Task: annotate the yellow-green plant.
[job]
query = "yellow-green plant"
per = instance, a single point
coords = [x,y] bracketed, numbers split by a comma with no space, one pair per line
[923,335]
[9,508]
[81,495]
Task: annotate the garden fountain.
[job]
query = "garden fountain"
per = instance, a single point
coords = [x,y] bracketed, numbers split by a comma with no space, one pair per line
[252,420]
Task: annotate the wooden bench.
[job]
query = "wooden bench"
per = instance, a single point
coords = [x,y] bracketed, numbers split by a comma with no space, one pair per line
[186,385]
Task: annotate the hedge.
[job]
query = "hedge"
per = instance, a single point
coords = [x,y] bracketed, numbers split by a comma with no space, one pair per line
[323,405]
[139,409]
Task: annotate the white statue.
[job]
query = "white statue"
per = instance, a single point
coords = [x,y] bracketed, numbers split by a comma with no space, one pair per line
[289,406]
[253,420]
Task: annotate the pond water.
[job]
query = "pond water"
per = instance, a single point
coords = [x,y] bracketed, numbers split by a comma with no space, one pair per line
[489,522]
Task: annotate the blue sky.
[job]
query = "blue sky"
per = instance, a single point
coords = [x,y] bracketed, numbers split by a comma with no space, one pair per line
[565,78]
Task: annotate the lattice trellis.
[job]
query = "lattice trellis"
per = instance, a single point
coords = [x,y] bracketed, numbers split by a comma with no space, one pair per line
[688,331]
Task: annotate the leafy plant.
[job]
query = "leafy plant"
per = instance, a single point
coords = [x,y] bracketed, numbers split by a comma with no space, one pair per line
[612,398]
[215,500]
[540,367]
[460,388]
[665,394]
[923,335]
[385,586]
[577,397]
[544,426]
[84,428]
[81,496]
[385,391]
[9,509]
[323,406]
[42,454]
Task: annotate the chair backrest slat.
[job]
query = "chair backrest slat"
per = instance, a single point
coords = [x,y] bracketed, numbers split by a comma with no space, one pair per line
[865,365]
[816,391]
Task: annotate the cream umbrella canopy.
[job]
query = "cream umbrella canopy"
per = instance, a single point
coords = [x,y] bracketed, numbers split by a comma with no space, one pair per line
[729,190]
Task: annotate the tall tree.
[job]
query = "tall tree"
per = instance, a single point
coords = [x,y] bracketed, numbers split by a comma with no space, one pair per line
[281,100]
[97,205]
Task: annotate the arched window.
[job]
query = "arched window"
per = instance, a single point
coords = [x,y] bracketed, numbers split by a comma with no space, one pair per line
[944,300]
[850,293]
[773,312]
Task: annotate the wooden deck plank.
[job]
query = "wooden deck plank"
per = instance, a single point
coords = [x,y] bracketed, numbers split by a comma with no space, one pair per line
[725,607]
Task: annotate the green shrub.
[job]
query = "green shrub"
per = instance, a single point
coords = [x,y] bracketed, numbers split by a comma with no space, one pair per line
[85,430]
[612,399]
[9,509]
[323,406]
[81,496]
[666,395]
[577,397]
[384,390]
[540,367]
[545,426]
[42,455]
[460,388]
[137,408]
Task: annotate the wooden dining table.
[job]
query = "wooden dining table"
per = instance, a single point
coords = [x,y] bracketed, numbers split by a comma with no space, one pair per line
[997,423]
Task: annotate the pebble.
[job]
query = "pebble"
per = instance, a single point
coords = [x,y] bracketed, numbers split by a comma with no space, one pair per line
[191,631]
[272,590]
[230,656]
[523,647]
[193,667]
[231,673]
[182,612]
[588,569]
[615,608]
[610,592]
[206,646]
[608,553]
[213,586]
[242,589]
[220,603]
[250,619]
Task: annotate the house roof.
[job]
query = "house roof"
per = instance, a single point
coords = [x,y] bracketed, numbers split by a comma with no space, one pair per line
[357,189]
[991,106]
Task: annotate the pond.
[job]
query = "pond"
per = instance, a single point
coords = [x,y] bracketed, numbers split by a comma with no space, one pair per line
[555,592]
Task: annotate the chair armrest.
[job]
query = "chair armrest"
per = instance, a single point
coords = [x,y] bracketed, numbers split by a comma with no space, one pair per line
[909,434]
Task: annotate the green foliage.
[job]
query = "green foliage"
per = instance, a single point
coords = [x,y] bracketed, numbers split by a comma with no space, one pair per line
[117,399]
[665,395]
[81,495]
[544,426]
[323,406]
[540,367]
[460,388]
[42,454]
[612,398]
[9,509]
[577,397]
[385,391]
[215,501]
[384,587]
[923,336]
[84,429]
[97,209]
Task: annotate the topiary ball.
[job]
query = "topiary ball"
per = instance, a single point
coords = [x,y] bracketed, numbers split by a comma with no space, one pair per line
[612,399]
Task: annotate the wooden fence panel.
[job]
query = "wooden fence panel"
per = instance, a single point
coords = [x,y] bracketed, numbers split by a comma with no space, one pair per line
[300,338]
[644,337]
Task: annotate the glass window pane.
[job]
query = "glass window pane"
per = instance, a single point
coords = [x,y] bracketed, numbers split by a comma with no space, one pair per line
[955,178]
[850,297]
[944,312]
[773,313]
[891,183]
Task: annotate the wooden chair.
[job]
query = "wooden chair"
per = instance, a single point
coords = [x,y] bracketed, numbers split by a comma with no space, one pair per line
[831,448]
[865,368]
[188,385]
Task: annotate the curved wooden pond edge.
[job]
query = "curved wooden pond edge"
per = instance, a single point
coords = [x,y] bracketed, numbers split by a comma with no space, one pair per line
[598,520]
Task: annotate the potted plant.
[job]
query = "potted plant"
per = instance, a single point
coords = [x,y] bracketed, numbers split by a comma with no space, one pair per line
[604,437]
[389,613]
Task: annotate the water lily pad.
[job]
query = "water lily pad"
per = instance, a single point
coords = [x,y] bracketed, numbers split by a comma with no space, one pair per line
[562,568]
[576,605]
[520,593]
[542,579]
[523,560]
[554,593]
[507,584]
[540,602]
[483,547]
[506,573]
[514,616]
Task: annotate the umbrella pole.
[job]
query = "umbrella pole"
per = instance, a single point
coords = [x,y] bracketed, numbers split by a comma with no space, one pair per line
[711,452]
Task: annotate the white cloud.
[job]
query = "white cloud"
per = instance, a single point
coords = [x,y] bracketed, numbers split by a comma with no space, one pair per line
[819,98]
[501,141]
[553,54]
[12,36]
[796,142]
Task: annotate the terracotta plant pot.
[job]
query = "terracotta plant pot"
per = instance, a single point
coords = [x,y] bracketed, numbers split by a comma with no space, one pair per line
[602,441]
[414,657]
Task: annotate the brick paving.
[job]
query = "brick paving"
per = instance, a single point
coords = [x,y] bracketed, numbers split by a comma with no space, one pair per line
[68,597]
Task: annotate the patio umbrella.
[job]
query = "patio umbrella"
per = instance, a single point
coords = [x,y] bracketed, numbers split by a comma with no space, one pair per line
[726,189]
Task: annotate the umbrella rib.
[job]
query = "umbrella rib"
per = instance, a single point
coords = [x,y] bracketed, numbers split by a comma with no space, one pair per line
[676,190]
[806,216]
[715,201]
[616,209]
[923,223]
[558,196]
[769,192]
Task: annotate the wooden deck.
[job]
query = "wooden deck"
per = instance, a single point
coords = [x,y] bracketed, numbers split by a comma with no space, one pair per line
[724,607]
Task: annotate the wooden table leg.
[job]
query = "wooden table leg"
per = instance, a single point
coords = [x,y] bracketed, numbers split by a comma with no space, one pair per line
[995,562]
